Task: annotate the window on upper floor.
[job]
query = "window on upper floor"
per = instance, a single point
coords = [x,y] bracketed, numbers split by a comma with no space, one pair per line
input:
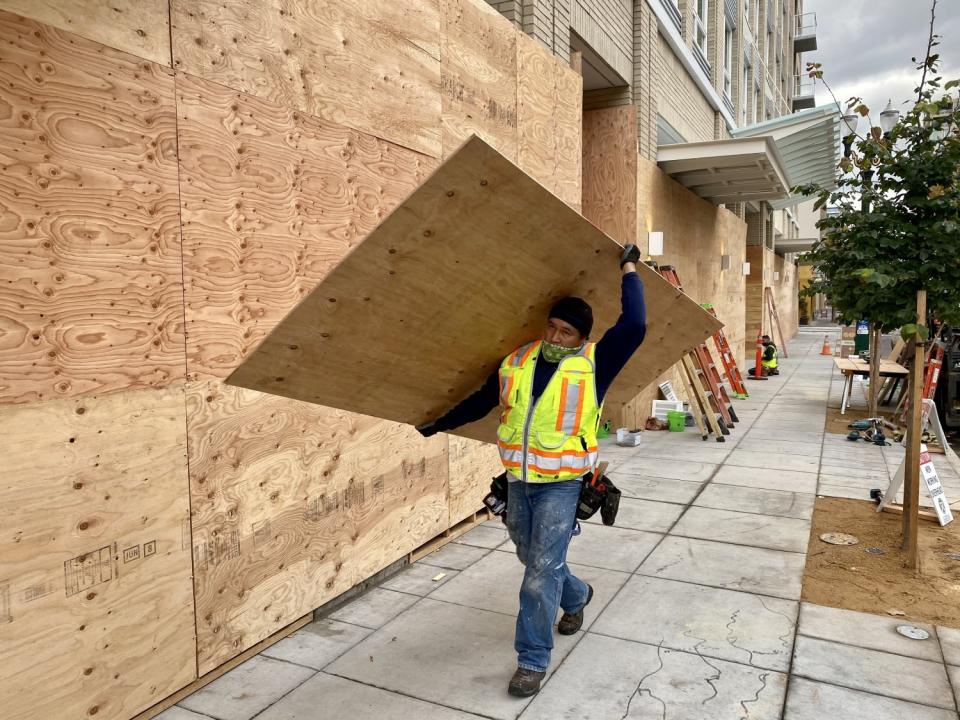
[756,103]
[727,58]
[744,91]
[700,10]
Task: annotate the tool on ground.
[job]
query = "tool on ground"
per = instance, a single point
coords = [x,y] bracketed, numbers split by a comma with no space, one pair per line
[496,499]
[726,357]
[758,360]
[704,364]
[775,319]
[869,429]
[826,346]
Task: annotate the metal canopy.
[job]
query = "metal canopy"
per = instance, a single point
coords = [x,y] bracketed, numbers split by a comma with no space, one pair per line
[727,171]
[762,161]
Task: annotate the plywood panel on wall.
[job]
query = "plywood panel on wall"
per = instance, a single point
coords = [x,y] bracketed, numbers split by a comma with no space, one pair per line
[386,333]
[91,298]
[96,598]
[293,504]
[610,171]
[473,465]
[549,121]
[271,200]
[370,66]
[139,27]
[478,76]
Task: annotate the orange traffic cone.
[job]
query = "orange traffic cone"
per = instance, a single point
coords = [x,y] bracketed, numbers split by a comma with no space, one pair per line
[757,372]
[826,347]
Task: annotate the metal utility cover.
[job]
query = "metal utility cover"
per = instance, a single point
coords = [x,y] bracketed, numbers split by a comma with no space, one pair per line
[464,271]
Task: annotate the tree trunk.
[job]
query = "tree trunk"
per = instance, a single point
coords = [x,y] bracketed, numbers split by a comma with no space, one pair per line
[874,369]
[911,475]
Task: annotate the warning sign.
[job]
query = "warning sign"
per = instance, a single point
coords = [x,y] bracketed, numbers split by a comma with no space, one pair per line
[937,495]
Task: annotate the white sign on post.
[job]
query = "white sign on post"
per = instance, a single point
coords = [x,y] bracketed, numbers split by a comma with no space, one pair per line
[934,487]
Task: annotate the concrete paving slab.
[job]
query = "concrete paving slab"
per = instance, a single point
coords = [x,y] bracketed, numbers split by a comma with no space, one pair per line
[247,689]
[611,548]
[374,608]
[179,713]
[910,679]
[776,533]
[606,678]
[785,480]
[809,700]
[655,488]
[454,556]
[851,492]
[735,567]
[644,515]
[418,579]
[494,584]
[484,536]
[447,654]
[769,445]
[725,624]
[676,469]
[696,450]
[810,435]
[773,461]
[949,644]
[318,644]
[953,673]
[328,696]
[756,500]
[874,632]
[852,470]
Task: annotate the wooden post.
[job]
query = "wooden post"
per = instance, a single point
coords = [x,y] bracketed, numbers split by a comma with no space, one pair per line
[911,479]
[874,369]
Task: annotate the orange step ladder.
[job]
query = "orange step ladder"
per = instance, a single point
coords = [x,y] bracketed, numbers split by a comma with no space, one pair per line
[726,357]
[931,377]
[705,367]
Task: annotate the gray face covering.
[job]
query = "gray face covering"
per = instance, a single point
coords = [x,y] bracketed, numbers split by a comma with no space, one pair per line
[555,353]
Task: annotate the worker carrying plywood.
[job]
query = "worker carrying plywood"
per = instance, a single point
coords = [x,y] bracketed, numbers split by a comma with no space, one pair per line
[551,394]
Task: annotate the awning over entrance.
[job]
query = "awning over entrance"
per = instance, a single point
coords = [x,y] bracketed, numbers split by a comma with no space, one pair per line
[796,149]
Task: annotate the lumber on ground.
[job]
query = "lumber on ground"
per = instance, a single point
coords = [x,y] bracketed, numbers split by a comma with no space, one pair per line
[464,271]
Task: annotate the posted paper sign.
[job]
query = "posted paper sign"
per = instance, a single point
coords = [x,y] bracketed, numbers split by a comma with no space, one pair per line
[939,498]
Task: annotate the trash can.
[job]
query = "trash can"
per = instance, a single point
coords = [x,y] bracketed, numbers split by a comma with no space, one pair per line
[676,421]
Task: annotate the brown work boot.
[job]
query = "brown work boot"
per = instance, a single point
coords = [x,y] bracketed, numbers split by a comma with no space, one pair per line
[570,623]
[525,683]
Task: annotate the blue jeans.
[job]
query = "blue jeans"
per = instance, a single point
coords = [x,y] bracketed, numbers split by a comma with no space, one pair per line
[540,520]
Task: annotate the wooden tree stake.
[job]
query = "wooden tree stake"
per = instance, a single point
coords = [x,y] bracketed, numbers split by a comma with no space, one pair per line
[911,480]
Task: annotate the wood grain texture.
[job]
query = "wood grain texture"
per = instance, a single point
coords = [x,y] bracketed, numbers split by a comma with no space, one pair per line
[138,27]
[473,465]
[293,504]
[386,333]
[549,121]
[96,598]
[90,292]
[271,200]
[610,171]
[478,76]
[372,66]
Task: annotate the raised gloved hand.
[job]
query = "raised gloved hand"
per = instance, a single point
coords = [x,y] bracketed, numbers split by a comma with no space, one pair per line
[428,429]
[631,254]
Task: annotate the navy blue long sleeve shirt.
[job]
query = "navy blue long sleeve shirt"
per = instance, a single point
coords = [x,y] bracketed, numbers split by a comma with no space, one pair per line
[613,351]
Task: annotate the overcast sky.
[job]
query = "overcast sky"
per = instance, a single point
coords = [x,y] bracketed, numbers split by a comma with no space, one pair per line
[866,45]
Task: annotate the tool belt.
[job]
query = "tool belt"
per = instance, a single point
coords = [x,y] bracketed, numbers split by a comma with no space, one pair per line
[598,493]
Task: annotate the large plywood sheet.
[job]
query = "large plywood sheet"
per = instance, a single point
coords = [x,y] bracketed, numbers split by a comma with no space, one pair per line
[463,272]
[610,171]
[373,66]
[139,27]
[478,76]
[271,200]
[293,504]
[96,597]
[549,120]
[473,465]
[90,298]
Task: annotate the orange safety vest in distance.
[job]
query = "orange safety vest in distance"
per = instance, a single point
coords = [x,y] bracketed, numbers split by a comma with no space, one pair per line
[556,435]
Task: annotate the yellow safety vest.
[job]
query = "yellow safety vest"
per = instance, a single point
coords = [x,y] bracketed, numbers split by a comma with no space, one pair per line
[772,362]
[555,438]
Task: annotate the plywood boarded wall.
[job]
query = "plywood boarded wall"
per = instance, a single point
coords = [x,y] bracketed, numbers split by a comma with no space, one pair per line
[287,130]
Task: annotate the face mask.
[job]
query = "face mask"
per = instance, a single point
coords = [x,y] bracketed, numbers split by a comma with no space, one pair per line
[555,353]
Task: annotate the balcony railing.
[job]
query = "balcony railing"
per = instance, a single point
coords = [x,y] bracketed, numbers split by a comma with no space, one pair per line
[804,87]
[805,32]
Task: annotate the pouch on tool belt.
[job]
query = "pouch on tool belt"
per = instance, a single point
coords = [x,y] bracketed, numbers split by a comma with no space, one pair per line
[599,494]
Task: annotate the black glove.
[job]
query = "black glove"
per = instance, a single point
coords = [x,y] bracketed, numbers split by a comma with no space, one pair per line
[631,254]
[428,429]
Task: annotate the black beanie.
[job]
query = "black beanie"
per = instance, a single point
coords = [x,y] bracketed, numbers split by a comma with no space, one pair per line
[575,311]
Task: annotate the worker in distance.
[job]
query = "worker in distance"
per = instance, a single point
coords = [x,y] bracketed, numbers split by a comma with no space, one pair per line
[550,394]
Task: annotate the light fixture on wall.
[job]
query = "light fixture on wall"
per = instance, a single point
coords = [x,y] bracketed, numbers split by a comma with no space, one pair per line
[776,276]
[746,268]
[655,243]
[725,262]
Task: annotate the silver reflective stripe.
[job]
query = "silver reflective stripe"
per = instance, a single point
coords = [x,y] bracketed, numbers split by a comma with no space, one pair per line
[518,356]
[510,455]
[553,464]
[569,410]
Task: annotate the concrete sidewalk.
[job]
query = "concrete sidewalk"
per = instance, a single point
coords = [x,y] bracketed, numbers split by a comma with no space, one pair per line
[696,613]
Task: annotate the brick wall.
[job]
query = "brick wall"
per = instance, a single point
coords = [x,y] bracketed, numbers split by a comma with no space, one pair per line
[679,100]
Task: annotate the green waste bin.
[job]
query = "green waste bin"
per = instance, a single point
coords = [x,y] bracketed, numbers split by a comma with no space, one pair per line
[676,420]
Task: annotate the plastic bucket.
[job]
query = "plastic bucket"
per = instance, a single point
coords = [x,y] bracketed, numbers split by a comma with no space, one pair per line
[676,420]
